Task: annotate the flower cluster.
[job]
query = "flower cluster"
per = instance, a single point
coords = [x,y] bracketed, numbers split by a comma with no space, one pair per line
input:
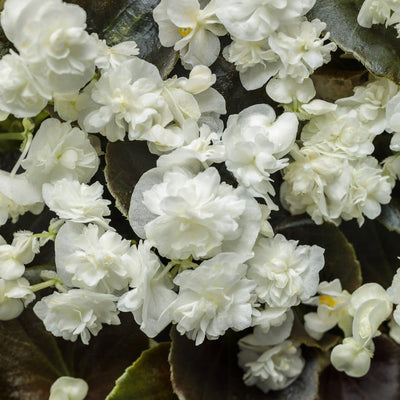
[284,45]
[207,258]
[334,176]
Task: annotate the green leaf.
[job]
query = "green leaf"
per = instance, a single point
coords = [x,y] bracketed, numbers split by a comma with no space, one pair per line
[134,21]
[117,21]
[340,258]
[31,358]
[147,379]
[376,249]
[107,355]
[332,83]
[381,382]
[126,162]
[210,371]
[377,48]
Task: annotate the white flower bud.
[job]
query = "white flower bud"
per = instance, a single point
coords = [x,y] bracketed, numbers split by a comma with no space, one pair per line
[14,295]
[67,388]
[351,358]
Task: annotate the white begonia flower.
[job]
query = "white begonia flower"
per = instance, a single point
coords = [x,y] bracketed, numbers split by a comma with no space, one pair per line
[184,214]
[200,79]
[271,367]
[296,97]
[175,136]
[270,317]
[289,90]
[394,289]
[206,149]
[376,12]
[266,228]
[13,257]
[3,115]
[394,20]
[59,51]
[268,335]
[60,151]
[90,258]
[393,114]
[300,48]
[10,266]
[330,187]
[254,143]
[14,296]
[255,61]
[214,297]
[112,57]
[67,388]
[77,313]
[313,108]
[395,142]
[151,292]
[65,105]
[20,93]
[17,196]
[188,98]
[369,188]
[370,305]
[351,358]
[339,132]
[394,331]
[370,102]
[284,272]
[332,310]
[394,293]
[391,168]
[76,201]
[316,183]
[127,98]
[252,20]
[192,31]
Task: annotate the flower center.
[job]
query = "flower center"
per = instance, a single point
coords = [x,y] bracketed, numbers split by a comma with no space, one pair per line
[185,31]
[328,300]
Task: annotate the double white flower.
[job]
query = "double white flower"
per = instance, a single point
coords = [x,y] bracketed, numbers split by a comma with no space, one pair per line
[284,272]
[185,214]
[255,142]
[53,42]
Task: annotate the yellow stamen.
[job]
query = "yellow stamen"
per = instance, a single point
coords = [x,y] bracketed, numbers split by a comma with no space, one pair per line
[328,300]
[185,31]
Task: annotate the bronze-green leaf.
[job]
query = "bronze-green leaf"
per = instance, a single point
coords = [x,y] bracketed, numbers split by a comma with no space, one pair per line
[31,358]
[377,48]
[210,371]
[121,20]
[147,379]
[376,249]
[126,162]
[107,355]
[381,383]
[340,258]
[134,21]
